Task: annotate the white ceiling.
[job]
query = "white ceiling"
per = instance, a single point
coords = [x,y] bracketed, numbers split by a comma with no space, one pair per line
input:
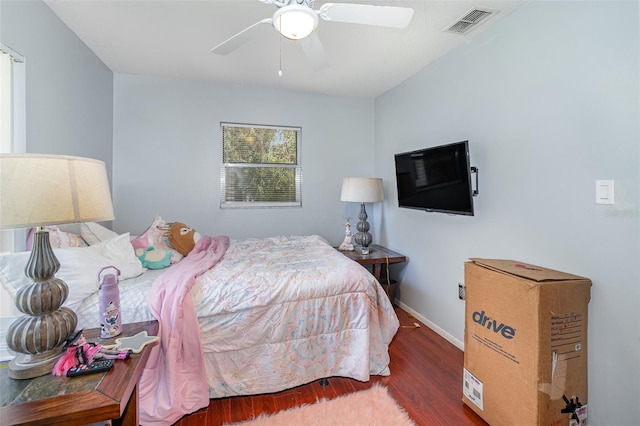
[173,38]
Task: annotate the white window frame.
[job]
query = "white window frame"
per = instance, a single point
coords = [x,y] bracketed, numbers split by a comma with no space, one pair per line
[260,204]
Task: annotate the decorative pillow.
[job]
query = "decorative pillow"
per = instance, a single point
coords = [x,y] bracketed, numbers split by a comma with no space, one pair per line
[154,259]
[79,267]
[57,238]
[94,233]
[155,237]
[182,238]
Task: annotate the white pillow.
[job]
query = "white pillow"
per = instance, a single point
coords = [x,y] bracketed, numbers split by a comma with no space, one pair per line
[79,267]
[94,233]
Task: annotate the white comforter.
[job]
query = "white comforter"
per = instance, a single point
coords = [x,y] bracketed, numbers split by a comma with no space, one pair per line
[280,312]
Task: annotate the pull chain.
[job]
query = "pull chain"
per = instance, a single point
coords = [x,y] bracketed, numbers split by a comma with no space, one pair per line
[280,69]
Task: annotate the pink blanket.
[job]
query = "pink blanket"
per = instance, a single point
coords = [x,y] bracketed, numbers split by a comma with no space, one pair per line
[174,381]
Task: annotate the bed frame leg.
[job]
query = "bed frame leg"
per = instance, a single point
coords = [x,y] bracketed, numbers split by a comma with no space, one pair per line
[324,382]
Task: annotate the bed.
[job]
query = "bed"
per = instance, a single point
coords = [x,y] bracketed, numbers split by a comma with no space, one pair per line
[274,313]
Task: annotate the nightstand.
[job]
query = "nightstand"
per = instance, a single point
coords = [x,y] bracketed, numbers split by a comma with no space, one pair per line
[99,397]
[377,257]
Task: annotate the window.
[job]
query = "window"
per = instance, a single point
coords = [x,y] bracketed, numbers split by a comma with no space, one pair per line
[260,166]
[6,102]
[12,139]
[12,125]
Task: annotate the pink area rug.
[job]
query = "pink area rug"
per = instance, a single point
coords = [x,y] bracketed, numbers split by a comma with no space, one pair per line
[370,407]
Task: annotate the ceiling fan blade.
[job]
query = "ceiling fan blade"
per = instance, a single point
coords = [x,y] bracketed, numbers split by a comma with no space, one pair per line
[233,42]
[314,51]
[384,16]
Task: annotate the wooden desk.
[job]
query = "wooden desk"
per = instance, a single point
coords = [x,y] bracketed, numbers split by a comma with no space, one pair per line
[53,400]
[377,257]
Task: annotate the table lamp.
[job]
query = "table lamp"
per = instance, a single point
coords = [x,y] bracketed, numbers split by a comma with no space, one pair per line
[362,190]
[38,190]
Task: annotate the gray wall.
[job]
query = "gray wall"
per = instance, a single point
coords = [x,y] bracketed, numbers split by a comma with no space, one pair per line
[549,100]
[69,91]
[167,155]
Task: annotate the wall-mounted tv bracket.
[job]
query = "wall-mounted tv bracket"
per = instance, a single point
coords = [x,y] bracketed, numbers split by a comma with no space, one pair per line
[475,170]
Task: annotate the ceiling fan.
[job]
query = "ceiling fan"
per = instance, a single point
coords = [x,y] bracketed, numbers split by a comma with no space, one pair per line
[297,20]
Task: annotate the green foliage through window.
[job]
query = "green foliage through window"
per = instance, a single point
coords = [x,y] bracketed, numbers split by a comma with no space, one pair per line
[261,166]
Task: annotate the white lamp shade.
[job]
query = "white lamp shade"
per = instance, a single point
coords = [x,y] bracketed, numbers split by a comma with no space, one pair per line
[362,190]
[40,189]
[295,21]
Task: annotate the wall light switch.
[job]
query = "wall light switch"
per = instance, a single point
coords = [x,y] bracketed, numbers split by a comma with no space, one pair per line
[604,192]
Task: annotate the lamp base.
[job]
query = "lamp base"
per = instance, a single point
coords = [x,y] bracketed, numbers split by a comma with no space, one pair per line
[363,238]
[38,336]
[28,366]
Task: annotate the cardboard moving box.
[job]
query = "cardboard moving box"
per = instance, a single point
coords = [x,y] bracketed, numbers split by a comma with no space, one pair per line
[525,344]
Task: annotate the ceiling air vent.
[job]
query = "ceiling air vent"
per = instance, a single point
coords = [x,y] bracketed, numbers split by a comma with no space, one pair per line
[469,21]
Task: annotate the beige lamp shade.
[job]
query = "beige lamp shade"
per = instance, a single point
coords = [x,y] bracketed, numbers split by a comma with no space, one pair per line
[40,189]
[362,190]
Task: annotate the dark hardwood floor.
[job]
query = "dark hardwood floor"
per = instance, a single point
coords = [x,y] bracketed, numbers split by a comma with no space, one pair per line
[426,379]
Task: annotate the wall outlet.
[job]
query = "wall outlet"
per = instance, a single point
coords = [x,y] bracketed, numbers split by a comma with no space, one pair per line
[462,291]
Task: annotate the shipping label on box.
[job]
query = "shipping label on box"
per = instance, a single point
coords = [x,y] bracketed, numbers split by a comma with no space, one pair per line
[472,389]
[525,342]
[579,417]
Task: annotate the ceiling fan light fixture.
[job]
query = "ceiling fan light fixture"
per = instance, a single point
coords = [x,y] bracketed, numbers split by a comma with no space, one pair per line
[295,22]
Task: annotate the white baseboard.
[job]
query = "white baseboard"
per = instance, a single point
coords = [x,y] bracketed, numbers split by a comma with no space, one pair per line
[448,337]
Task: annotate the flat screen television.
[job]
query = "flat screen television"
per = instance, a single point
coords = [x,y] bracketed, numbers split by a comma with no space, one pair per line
[436,179]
